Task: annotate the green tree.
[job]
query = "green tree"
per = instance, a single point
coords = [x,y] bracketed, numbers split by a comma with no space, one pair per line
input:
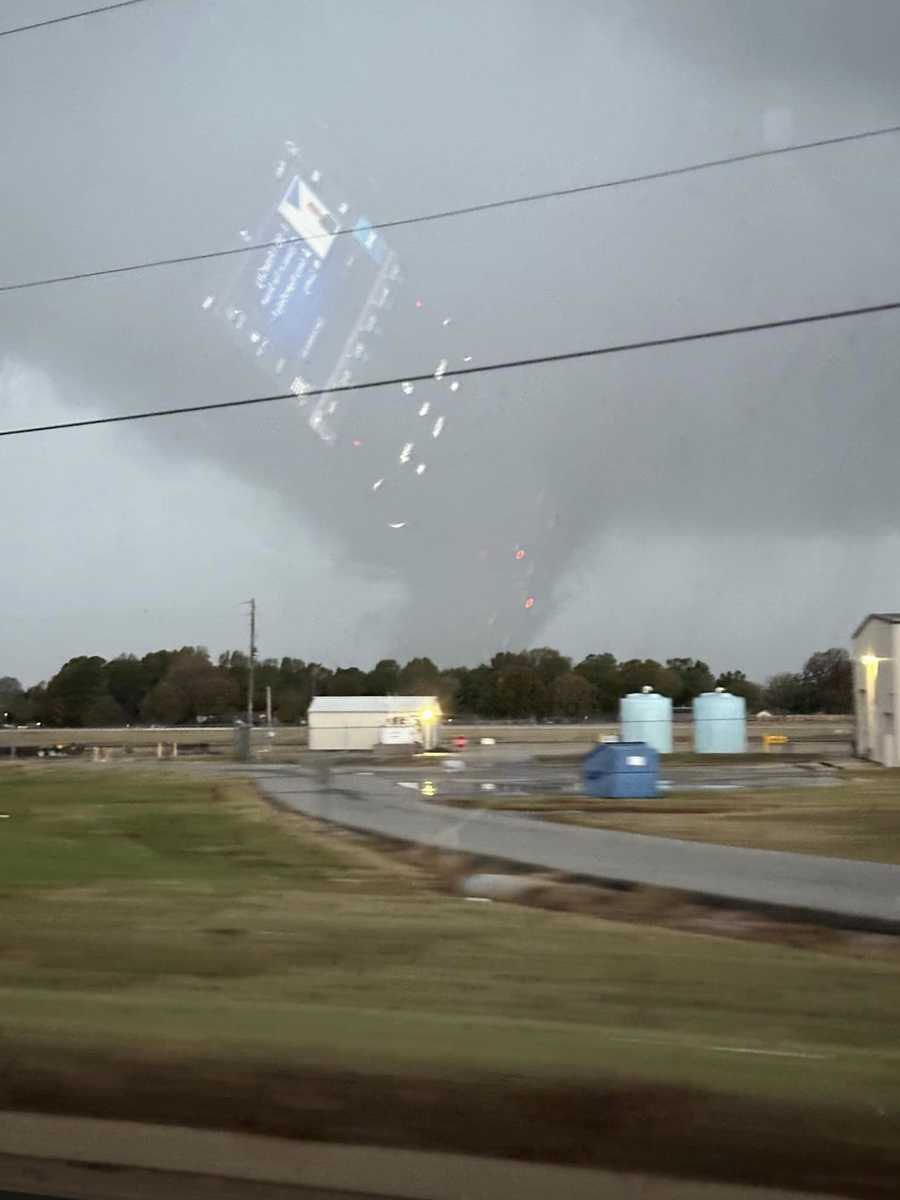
[290,704]
[384,678]
[448,688]
[266,675]
[293,672]
[127,682]
[319,679]
[694,677]
[294,689]
[508,658]
[348,681]
[786,693]
[234,663]
[103,712]
[12,698]
[77,684]
[155,665]
[520,692]
[419,677]
[548,663]
[43,711]
[191,687]
[638,673]
[165,704]
[573,696]
[602,673]
[738,684]
[477,691]
[828,679]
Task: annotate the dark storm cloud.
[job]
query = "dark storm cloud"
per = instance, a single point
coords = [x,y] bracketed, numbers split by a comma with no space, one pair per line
[170,146]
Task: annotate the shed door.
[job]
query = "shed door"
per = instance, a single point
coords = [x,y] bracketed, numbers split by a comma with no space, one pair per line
[888,748]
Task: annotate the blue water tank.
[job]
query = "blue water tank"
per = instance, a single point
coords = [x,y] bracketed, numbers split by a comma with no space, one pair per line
[647,717]
[720,723]
[618,770]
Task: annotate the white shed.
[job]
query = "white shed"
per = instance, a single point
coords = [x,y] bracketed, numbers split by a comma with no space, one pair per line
[355,722]
[876,653]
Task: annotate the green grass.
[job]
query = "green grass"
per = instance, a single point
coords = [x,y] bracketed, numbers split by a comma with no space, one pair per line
[157,912]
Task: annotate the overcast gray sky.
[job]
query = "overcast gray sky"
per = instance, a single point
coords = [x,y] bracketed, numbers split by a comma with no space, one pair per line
[735,500]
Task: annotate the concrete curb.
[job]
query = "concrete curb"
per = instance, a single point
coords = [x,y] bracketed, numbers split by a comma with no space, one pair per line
[27,1139]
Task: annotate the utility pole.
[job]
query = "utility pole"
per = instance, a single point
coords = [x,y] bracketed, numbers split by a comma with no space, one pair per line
[268,705]
[252,604]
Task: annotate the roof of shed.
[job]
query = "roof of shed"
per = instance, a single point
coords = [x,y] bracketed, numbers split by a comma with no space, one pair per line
[371,704]
[887,618]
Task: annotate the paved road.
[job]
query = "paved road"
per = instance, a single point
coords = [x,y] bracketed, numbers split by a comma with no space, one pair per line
[374,803]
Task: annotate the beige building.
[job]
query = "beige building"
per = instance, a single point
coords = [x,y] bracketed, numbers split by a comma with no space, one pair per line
[356,722]
[876,654]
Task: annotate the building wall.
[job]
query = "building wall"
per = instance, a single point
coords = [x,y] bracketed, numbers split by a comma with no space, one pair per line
[344,730]
[348,730]
[875,689]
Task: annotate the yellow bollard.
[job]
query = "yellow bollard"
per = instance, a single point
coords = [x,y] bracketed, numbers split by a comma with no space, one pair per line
[773,739]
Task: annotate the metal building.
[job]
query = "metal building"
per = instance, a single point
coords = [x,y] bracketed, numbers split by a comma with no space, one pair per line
[356,722]
[876,653]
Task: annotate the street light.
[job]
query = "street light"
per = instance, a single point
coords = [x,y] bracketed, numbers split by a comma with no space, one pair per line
[427,718]
[871,662]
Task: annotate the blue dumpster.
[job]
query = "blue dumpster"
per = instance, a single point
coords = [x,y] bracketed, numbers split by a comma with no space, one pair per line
[622,770]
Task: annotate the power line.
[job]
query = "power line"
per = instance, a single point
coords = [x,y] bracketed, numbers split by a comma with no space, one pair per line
[85,12]
[486,368]
[466,210]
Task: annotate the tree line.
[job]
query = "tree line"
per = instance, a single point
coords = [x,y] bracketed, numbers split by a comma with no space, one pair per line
[173,687]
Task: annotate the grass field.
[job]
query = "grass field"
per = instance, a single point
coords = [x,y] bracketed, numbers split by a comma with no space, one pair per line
[857,818]
[172,949]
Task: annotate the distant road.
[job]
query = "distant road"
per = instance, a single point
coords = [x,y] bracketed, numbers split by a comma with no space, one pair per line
[820,734]
[373,802]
